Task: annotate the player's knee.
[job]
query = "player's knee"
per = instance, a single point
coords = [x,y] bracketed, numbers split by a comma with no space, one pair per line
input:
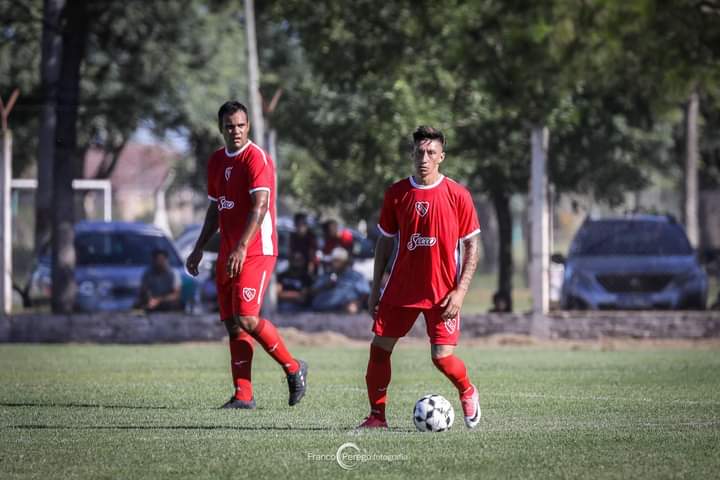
[385,343]
[440,351]
[249,324]
[233,328]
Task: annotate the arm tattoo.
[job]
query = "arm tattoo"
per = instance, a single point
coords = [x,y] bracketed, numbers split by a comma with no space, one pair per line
[470,261]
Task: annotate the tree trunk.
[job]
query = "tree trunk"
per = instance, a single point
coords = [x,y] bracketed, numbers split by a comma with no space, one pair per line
[74,38]
[257,124]
[501,202]
[692,148]
[489,237]
[49,71]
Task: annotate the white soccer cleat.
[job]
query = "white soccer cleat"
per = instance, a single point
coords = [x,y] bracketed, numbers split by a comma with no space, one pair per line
[471,408]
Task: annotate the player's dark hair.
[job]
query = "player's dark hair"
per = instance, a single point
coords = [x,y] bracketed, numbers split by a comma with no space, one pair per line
[228,108]
[160,251]
[424,132]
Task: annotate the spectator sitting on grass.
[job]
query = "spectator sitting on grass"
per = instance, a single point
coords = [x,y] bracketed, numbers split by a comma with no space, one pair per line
[160,285]
[502,302]
[293,285]
[341,289]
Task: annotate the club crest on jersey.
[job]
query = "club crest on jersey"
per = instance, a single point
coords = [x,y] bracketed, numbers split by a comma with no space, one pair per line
[248,294]
[422,208]
[417,240]
[451,325]
[225,204]
[228,171]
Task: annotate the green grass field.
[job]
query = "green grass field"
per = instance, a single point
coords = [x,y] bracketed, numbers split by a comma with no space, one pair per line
[150,412]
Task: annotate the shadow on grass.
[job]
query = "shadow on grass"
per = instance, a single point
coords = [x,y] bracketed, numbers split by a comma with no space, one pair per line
[258,428]
[85,405]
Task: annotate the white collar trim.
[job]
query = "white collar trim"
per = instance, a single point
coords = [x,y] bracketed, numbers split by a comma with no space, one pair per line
[235,154]
[425,187]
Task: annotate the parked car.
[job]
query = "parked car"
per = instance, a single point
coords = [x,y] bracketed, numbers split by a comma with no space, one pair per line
[110,260]
[634,262]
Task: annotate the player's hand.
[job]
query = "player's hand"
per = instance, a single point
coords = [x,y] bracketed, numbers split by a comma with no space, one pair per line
[373,301]
[235,261]
[452,304]
[193,262]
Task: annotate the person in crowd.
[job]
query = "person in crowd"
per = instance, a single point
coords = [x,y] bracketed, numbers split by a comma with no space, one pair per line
[340,289]
[160,285]
[335,237]
[293,285]
[304,242]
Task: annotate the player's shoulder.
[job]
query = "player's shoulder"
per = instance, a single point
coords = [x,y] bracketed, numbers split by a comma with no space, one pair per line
[400,186]
[257,154]
[456,187]
[217,156]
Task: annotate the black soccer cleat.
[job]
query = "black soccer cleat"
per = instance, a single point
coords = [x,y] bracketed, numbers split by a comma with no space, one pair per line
[241,404]
[297,383]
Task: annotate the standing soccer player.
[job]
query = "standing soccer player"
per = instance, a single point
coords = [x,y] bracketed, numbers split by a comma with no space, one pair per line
[241,188]
[429,217]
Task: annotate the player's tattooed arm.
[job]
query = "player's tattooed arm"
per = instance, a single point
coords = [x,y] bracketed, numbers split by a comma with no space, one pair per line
[260,205]
[453,302]
[210,226]
[383,252]
[470,261]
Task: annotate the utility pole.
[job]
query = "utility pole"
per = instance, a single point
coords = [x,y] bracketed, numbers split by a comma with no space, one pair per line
[539,221]
[257,122]
[5,207]
[691,169]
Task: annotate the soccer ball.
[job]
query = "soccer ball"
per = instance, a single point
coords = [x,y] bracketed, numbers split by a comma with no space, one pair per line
[433,413]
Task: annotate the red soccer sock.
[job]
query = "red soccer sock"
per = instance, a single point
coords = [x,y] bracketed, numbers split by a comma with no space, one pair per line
[454,369]
[241,354]
[267,335]
[377,379]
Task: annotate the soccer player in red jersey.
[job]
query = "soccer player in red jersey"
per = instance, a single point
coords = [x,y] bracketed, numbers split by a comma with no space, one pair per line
[431,221]
[241,189]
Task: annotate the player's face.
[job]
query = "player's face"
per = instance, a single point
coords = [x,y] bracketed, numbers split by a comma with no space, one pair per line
[427,155]
[235,130]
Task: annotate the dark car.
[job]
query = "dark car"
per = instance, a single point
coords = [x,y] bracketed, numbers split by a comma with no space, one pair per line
[110,260]
[635,262]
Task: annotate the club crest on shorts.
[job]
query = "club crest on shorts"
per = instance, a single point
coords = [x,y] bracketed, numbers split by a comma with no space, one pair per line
[422,208]
[228,171]
[451,324]
[249,294]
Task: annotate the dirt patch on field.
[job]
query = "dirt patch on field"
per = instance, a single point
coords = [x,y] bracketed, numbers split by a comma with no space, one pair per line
[332,339]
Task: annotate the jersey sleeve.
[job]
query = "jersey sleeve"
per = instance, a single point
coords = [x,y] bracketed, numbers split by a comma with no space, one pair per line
[388,224]
[260,172]
[468,222]
[212,185]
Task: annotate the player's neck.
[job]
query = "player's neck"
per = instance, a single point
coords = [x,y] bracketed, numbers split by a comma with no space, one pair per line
[232,151]
[427,180]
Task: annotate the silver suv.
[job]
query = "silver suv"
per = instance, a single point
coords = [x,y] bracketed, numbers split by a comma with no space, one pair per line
[632,263]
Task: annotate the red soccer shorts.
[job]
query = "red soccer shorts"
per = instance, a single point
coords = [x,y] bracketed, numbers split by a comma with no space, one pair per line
[392,321]
[243,295]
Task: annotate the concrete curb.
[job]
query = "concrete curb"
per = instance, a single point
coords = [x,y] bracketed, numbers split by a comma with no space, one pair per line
[178,327]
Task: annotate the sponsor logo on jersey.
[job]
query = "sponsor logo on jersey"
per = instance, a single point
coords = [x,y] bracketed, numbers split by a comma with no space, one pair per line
[249,294]
[451,325]
[417,240]
[225,204]
[422,208]
[228,171]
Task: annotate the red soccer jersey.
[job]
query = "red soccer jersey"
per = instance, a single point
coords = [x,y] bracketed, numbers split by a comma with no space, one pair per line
[430,223]
[232,178]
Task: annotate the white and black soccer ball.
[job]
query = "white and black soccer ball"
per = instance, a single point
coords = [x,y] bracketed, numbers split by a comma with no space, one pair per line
[433,413]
